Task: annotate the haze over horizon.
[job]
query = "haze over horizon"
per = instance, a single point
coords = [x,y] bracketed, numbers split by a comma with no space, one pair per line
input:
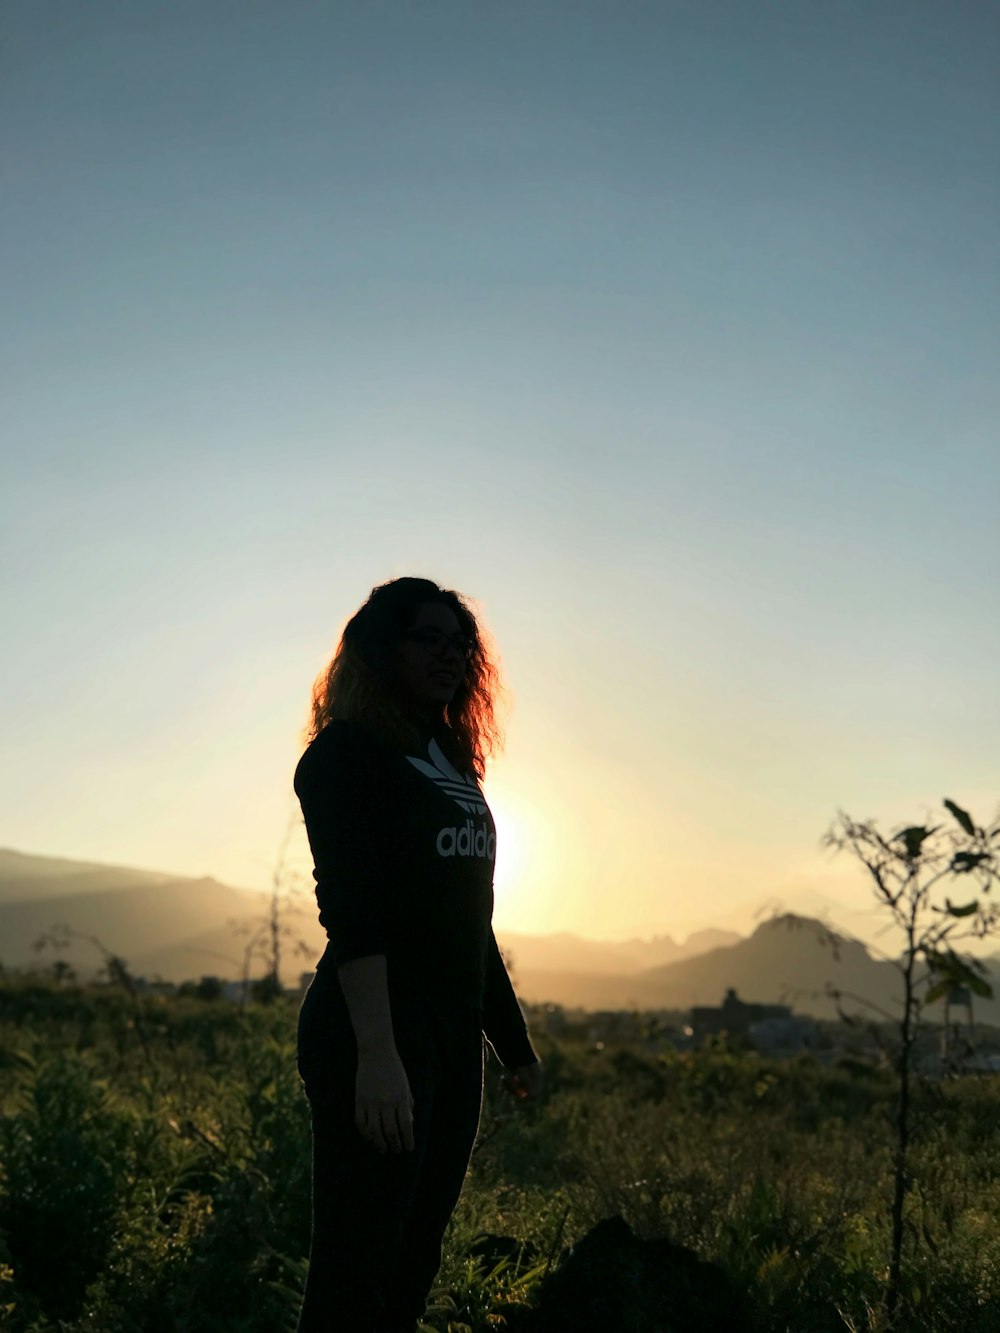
[747,917]
[667,333]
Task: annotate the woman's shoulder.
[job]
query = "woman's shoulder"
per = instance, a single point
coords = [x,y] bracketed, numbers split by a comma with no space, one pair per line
[342,745]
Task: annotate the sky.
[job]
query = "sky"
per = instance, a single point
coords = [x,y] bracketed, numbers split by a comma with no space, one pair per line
[666,332]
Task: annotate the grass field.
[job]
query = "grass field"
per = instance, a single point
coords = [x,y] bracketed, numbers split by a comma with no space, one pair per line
[154,1158]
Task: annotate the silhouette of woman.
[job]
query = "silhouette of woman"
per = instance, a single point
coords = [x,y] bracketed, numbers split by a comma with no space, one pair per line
[390,1032]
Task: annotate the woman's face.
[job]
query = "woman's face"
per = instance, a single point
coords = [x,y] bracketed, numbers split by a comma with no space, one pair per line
[429,658]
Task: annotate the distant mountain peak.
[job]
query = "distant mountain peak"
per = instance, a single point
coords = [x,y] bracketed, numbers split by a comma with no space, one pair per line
[795,921]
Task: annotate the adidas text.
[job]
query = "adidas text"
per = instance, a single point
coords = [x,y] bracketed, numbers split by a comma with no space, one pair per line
[467,841]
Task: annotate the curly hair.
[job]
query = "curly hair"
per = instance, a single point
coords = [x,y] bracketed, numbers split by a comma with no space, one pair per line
[359,683]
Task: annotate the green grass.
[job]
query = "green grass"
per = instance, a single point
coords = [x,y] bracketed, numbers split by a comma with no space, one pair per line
[154,1159]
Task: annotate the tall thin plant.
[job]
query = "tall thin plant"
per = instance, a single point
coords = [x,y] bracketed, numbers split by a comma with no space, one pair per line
[910,869]
[268,932]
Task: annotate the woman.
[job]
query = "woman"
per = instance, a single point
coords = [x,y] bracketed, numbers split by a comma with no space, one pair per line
[390,1037]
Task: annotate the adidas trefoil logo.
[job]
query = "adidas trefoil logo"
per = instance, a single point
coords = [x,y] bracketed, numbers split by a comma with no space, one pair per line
[462,789]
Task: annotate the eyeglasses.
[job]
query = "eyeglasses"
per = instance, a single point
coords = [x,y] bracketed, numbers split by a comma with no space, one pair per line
[437,642]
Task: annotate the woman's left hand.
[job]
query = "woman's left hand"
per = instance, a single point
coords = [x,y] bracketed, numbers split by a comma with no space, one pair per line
[526,1081]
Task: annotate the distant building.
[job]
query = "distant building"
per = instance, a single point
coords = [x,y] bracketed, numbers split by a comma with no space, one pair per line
[784,1036]
[982,1064]
[734,1016]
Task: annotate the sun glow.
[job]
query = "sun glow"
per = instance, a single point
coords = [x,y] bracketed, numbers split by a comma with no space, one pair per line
[522,854]
[510,847]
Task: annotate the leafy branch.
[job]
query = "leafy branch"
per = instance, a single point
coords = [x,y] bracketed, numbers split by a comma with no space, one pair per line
[908,868]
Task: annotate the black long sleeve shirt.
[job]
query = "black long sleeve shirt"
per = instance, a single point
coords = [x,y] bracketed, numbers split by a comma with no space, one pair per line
[403,847]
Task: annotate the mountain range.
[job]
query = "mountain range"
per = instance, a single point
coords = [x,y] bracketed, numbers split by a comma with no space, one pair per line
[182,928]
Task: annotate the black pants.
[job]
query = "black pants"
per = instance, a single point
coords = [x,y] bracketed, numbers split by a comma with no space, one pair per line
[379,1218]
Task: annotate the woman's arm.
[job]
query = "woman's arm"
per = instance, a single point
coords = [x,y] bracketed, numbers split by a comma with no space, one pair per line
[366,990]
[503,1022]
[383,1102]
[337,786]
[337,783]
